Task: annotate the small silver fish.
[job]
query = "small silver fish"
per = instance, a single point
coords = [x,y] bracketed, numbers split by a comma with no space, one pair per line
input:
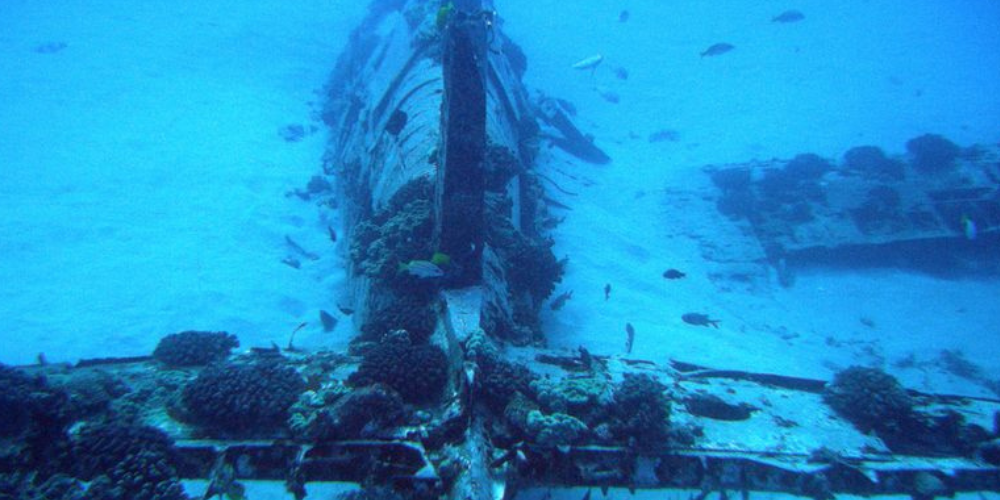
[589,62]
[422,269]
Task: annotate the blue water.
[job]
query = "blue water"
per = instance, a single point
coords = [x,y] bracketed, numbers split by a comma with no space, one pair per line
[149,164]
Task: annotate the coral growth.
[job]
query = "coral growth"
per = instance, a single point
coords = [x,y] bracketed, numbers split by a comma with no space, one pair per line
[368,412]
[731,179]
[530,265]
[932,153]
[413,312]
[880,211]
[29,486]
[28,402]
[576,396]
[192,348]
[641,413]
[497,380]
[807,167]
[242,398]
[397,234]
[556,429]
[870,398]
[500,165]
[125,461]
[418,372]
[797,181]
[871,163]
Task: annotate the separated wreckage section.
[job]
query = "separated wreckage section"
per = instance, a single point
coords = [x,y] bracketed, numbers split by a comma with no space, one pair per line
[442,392]
[935,209]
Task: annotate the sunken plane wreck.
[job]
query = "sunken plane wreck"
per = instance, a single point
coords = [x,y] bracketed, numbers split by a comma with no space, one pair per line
[935,209]
[445,391]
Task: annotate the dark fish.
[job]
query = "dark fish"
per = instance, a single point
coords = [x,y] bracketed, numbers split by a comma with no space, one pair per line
[673,274]
[630,338]
[621,73]
[328,321]
[623,16]
[566,106]
[291,338]
[698,319]
[333,233]
[50,47]
[607,291]
[717,49]
[299,250]
[274,350]
[347,311]
[788,16]
[664,135]
[560,301]
[610,96]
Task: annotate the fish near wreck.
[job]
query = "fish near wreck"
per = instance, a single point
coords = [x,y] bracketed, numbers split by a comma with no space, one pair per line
[590,63]
[788,16]
[673,274]
[630,337]
[558,302]
[698,319]
[433,268]
[717,49]
[422,269]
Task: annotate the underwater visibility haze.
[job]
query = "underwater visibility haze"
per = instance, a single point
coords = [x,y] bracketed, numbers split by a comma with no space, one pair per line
[638,226]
